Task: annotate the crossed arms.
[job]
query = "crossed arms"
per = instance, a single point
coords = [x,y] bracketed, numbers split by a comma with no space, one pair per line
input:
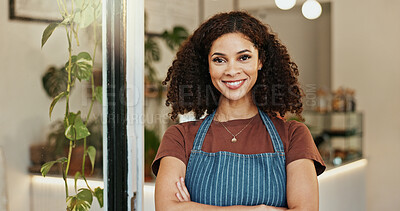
[171,193]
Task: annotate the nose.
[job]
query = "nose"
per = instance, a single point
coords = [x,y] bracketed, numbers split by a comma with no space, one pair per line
[232,69]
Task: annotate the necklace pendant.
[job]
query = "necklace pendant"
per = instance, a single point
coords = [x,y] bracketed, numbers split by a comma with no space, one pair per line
[234,140]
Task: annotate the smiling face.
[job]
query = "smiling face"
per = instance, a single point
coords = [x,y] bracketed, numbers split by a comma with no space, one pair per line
[233,64]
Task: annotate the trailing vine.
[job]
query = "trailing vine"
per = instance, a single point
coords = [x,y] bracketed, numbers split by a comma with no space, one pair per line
[76,15]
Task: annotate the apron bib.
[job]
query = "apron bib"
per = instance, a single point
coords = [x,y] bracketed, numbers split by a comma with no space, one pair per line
[226,178]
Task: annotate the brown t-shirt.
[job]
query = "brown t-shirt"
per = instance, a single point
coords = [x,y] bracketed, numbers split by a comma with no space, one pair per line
[297,140]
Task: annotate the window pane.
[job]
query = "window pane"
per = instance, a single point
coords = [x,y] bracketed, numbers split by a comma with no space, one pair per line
[63,77]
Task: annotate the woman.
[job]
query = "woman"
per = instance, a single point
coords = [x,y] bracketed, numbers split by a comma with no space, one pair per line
[243,155]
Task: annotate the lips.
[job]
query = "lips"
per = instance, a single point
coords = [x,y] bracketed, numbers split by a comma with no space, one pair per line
[234,84]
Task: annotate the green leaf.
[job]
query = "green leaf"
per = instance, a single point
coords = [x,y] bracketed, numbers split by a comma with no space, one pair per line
[76,129]
[81,201]
[176,37]
[81,66]
[77,176]
[99,94]
[85,195]
[62,160]
[85,64]
[80,4]
[98,193]
[55,100]
[87,12]
[48,31]
[152,50]
[76,204]
[71,202]
[84,17]
[55,81]
[47,166]
[70,132]
[71,119]
[81,130]
[91,151]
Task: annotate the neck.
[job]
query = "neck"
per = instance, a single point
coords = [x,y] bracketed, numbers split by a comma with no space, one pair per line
[230,110]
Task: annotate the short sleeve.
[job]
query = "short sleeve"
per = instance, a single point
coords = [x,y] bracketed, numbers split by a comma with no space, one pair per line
[172,144]
[302,146]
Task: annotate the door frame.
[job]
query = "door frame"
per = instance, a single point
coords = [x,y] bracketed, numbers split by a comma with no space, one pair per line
[123,104]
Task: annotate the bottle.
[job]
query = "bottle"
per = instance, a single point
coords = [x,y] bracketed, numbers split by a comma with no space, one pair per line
[352,101]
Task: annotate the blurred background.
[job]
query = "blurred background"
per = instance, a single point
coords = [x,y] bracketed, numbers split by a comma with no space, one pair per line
[346,55]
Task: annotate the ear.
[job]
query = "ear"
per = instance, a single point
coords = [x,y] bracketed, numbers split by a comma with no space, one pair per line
[259,65]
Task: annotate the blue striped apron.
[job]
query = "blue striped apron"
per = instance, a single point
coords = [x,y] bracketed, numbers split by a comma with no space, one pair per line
[226,178]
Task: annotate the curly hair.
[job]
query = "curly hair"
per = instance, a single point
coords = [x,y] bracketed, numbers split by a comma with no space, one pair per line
[276,90]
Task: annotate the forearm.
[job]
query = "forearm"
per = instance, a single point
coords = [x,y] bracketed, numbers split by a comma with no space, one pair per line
[270,208]
[193,206]
[184,206]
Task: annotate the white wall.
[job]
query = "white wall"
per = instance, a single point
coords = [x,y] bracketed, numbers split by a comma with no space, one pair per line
[24,104]
[365,54]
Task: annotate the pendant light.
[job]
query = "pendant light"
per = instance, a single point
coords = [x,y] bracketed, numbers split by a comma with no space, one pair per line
[311,9]
[285,4]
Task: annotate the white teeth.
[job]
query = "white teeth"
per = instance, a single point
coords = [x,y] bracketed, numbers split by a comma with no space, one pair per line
[234,83]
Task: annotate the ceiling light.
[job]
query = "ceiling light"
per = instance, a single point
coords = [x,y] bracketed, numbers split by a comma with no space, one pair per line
[285,4]
[311,9]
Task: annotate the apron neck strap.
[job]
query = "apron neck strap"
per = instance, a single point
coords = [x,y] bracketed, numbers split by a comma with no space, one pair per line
[276,139]
[201,133]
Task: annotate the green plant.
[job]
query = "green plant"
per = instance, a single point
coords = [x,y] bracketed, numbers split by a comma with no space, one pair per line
[56,138]
[82,14]
[55,81]
[172,38]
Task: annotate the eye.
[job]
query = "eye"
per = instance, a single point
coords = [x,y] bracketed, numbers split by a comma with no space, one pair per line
[244,57]
[218,60]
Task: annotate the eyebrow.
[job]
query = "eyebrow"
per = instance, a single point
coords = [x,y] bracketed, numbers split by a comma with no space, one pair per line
[221,54]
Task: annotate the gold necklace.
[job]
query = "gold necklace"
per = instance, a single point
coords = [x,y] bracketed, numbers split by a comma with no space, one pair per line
[234,139]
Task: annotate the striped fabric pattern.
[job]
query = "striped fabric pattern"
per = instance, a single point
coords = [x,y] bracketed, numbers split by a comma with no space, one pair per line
[226,178]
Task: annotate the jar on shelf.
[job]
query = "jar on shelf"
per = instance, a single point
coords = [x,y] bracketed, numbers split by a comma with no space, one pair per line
[350,100]
[322,101]
[338,101]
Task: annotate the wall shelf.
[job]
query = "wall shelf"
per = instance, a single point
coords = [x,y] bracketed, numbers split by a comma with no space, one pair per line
[338,135]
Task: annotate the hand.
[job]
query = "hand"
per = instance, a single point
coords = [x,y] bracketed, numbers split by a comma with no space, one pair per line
[183,194]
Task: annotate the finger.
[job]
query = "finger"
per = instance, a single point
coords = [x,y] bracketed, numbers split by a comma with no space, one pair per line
[184,187]
[178,195]
[182,192]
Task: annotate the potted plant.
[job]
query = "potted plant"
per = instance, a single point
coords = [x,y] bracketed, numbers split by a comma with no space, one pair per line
[79,14]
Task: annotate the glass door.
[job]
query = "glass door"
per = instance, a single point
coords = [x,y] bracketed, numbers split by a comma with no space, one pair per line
[51,138]
[79,62]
